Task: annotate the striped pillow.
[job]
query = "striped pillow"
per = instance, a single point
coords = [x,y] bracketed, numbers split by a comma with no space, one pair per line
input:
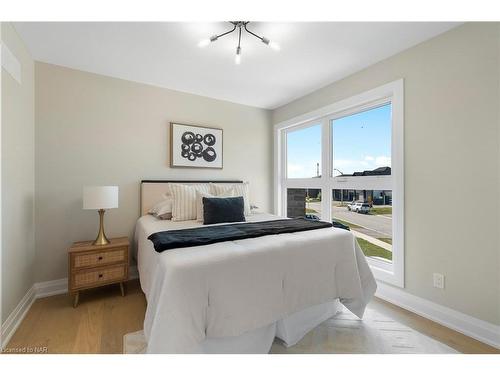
[184,206]
[200,186]
[236,190]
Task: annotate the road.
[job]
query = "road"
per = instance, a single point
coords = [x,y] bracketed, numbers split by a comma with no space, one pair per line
[380,224]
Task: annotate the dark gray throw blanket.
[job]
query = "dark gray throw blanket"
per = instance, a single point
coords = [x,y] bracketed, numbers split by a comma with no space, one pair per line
[173,239]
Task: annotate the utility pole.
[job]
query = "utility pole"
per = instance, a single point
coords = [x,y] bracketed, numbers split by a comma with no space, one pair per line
[341,190]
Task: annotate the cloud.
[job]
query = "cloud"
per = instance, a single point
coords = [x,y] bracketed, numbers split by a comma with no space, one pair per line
[367,163]
[295,170]
[347,166]
[383,161]
[295,167]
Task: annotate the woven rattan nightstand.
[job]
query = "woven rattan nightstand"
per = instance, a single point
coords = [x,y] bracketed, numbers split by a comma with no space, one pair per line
[91,266]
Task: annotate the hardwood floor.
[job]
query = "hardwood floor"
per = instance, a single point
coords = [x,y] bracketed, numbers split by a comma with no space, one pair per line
[454,339]
[98,324]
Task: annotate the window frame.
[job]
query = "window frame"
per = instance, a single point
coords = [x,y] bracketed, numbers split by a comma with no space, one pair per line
[393,92]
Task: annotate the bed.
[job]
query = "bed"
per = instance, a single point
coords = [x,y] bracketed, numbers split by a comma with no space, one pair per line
[238,296]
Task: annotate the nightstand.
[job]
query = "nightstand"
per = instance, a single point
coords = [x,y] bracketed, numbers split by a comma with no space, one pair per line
[91,266]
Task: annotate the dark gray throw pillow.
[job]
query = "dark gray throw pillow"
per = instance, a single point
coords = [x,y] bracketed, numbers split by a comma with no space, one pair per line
[223,210]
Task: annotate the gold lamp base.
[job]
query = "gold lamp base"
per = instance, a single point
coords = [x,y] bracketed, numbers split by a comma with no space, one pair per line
[101,236]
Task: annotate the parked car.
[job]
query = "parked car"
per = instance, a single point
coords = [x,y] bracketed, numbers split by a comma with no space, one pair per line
[362,208]
[359,207]
[351,205]
[312,217]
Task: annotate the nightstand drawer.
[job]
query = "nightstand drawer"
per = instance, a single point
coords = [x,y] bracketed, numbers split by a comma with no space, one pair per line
[94,277]
[100,258]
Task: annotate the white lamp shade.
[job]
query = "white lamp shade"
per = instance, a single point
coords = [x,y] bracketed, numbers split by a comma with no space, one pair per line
[100,197]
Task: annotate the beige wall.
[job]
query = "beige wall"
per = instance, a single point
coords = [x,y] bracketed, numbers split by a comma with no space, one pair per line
[451,162]
[94,130]
[18,176]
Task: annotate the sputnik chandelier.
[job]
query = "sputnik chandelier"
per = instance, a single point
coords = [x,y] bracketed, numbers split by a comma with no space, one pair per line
[240,25]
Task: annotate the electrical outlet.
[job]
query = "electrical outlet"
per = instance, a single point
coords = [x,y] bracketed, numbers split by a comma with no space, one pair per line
[438,280]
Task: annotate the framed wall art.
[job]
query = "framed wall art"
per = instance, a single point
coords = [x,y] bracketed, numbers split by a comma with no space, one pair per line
[193,146]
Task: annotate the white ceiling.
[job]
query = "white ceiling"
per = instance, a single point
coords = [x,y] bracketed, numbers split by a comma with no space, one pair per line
[166,54]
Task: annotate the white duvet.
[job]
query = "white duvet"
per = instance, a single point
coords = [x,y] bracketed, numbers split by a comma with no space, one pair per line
[229,288]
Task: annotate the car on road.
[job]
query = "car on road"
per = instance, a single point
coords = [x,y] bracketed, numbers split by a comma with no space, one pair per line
[359,207]
[363,208]
[351,205]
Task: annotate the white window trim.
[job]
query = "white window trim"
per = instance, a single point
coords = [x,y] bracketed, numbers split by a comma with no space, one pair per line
[393,92]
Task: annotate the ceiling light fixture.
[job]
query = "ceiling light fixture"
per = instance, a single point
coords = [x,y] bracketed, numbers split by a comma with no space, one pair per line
[240,25]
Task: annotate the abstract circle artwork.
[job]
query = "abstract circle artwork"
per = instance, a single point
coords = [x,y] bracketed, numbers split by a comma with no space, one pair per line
[196,146]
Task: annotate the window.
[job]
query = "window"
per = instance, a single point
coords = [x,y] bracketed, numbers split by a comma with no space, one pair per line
[344,162]
[304,152]
[361,149]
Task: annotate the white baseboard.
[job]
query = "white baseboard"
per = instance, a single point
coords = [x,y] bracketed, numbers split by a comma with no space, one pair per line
[55,287]
[480,330]
[39,290]
[51,288]
[16,317]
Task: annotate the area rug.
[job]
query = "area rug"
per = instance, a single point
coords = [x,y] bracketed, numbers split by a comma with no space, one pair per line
[342,334]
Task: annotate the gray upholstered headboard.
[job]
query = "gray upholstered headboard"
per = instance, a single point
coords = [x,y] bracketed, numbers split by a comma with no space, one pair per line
[152,190]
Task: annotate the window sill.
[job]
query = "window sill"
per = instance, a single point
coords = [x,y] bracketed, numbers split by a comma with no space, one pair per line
[384,271]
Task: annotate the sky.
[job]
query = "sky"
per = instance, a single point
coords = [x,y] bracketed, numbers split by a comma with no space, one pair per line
[360,142]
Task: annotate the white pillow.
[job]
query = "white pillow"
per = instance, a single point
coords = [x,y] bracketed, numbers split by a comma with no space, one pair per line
[184,205]
[237,190]
[199,186]
[163,209]
[199,201]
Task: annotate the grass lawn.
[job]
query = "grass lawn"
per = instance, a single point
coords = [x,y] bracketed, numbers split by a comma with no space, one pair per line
[311,211]
[371,250]
[381,211]
[386,240]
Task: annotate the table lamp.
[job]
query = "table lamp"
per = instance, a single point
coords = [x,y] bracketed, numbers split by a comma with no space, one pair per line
[100,198]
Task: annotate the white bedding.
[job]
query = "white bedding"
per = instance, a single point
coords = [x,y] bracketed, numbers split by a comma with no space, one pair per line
[231,288]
